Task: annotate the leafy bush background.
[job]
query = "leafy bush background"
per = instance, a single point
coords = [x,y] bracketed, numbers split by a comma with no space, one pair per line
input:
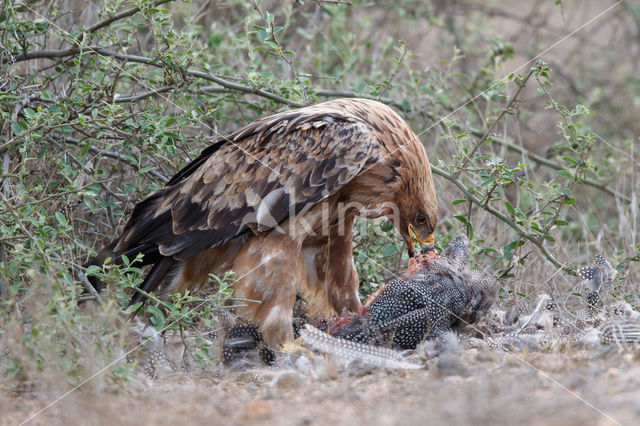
[101,102]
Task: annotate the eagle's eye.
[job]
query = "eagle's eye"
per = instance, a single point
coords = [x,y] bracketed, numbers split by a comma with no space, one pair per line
[421,219]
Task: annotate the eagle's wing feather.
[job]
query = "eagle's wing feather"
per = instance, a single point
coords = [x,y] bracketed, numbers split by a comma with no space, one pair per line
[253,180]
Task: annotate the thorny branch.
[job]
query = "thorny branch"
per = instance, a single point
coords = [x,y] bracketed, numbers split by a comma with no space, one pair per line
[124,14]
[116,155]
[227,85]
[519,230]
[224,85]
[512,102]
[282,53]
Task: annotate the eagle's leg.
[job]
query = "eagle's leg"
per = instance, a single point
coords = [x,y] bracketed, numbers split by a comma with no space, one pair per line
[327,278]
[341,269]
[265,268]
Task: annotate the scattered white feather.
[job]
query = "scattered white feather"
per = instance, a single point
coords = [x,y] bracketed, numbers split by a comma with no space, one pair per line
[353,351]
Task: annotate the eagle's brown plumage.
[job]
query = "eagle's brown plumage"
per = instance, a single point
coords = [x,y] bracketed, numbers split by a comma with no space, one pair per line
[266,202]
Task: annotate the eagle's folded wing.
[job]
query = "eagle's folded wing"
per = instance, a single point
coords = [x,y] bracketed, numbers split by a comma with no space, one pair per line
[252,180]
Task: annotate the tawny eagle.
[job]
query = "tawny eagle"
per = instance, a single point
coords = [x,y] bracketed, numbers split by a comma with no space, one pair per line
[276,201]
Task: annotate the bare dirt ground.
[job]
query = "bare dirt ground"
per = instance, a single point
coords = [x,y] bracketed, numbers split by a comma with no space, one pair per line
[599,386]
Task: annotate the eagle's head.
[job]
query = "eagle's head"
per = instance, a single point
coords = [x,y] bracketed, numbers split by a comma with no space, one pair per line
[397,180]
[415,198]
[417,219]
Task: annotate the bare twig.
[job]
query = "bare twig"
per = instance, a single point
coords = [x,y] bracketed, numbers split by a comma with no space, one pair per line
[3,288]
[280,50]
[82,166]
[245,89]
[395,72]
[140,96]
[334,2]
[85,281]
[63,53]
[124,14]
[232,86]
[512,102]
[116,155]
[71,191]
[72,51]
[346,94]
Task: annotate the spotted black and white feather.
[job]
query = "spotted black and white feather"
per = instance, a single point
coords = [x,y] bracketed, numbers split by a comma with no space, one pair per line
[596,278]
[443,294]
[353,351]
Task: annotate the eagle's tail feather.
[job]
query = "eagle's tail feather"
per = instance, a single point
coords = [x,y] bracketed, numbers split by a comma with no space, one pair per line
[157,277]
[162,266]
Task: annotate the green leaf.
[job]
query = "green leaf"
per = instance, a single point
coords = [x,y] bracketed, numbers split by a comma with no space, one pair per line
[157,317]
[570,201]
[133,308]
[17,129]
[93,270]
[389,250]
[456,202]
[60,218]
[509,206]
[462,219]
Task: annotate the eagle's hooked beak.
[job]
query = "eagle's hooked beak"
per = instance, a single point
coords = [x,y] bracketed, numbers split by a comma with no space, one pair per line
[429,240]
